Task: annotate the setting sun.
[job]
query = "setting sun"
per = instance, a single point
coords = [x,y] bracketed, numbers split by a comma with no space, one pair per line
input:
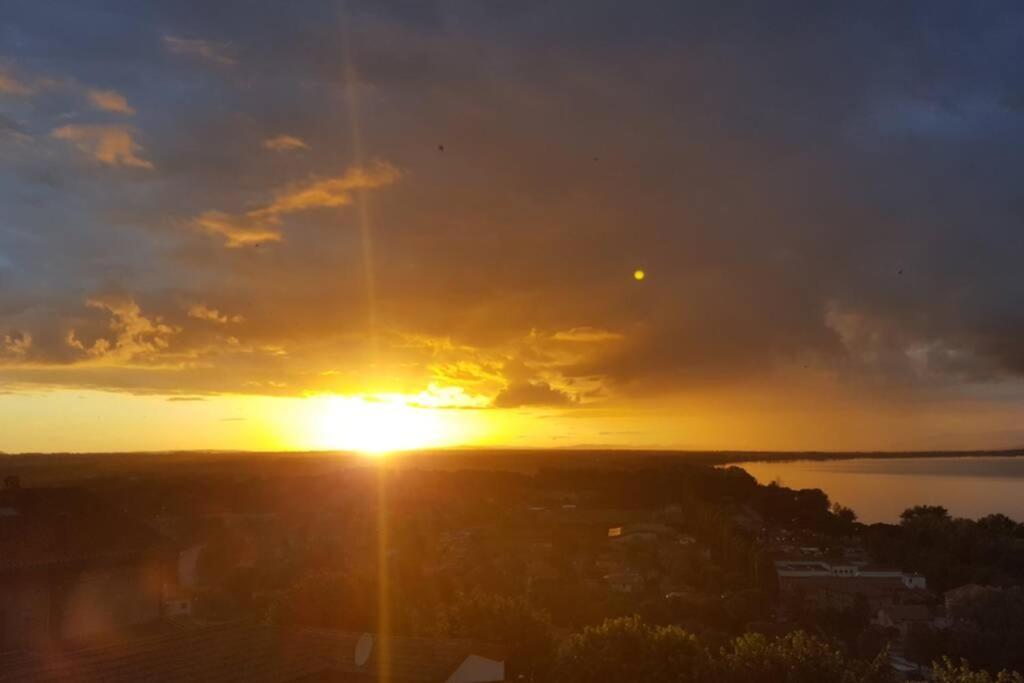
[378,425]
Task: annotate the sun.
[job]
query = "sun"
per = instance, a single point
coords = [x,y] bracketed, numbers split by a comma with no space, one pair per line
[376,426]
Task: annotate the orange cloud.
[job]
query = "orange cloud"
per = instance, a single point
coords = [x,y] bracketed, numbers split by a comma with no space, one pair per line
[109,100]
[262,224]
[284,143]
[329,192]
[204,312]
[10,85]
[16,345]
[586,335]
[237,231]
[135,335]
[110,145]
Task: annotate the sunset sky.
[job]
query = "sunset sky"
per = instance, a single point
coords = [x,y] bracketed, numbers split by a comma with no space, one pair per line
[379,225]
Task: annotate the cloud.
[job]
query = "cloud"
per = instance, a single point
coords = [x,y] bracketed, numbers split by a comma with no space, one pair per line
[204,312]
[284,143]
[328,192]
[136,337]
[109,100]
[215,53]
[263,224]
[16,345]
[11,85]
[237,231]
[107,144]
[10,128]
[587,335]
[524,394]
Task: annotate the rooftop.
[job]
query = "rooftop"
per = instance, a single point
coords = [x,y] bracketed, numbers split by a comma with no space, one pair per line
[246,651]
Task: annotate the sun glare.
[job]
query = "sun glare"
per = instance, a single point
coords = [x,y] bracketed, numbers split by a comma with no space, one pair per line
[378,426]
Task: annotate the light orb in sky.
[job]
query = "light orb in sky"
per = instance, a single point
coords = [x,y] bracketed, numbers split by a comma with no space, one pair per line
[639,274]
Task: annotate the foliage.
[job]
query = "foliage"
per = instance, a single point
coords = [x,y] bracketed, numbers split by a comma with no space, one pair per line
[627,649]
[795,658]
[948,672]
[512,622]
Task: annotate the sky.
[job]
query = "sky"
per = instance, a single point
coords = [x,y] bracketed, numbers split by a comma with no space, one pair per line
[379,225]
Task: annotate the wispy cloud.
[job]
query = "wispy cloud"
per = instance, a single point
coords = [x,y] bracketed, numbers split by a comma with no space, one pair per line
[215,53]
[237,231]
[16,345]
[12,85]
[109,100]
[204,312]
[106,144]
[9,128]
[328,192]
[586,335]
[285,143]
[263,224]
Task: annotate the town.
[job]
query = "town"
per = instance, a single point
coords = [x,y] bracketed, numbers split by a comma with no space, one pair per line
[317,567]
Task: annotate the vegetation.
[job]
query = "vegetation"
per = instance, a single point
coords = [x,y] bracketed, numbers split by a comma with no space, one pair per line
[627,649]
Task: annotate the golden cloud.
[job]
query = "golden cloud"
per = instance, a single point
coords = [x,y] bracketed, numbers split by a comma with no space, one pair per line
[109,100]
[135,335]
[204,312]
[587,335]
[284,143]
[329,192]
[110,145]
[10,85]
[262,224]
[237,231]
[16,345]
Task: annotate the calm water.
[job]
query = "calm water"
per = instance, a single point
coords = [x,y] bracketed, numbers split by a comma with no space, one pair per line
[880,489]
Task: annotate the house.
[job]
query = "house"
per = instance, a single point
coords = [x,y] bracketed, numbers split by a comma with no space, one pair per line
[641,532]
[794,570]
[903,618]
[843,586]
[247,651]
[72,568]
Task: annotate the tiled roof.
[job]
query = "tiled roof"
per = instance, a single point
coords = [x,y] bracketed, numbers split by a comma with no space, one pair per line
[243,651]
[53,525]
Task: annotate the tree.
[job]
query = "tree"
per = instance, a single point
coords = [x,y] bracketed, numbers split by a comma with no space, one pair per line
[948,672]
[845,519]
[511,622]
[795,658]
[627,649]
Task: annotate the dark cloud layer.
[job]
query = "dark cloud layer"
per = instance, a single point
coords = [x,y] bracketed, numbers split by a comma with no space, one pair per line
[812,189]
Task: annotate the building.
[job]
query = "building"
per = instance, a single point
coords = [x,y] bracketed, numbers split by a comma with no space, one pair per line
[794,570]
[72,568]
[634,533]
[843,586]
[903,618]
[251,652]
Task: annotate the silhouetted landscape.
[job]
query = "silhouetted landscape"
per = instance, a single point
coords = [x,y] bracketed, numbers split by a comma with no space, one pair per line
[560,566]
[565,341]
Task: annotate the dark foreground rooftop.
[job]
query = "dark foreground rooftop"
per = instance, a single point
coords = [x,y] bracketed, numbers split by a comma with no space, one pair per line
[245,651]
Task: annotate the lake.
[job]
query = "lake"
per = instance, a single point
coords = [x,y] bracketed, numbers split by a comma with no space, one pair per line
[880,489]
